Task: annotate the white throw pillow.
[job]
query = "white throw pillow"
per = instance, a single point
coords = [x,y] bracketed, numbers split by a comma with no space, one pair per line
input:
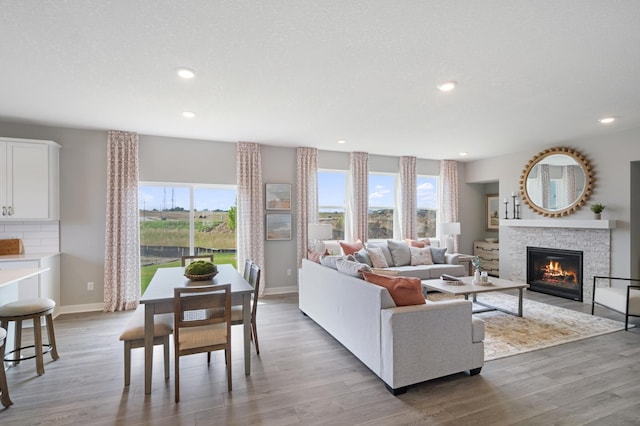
[421,256]
[352,268]
[377,257]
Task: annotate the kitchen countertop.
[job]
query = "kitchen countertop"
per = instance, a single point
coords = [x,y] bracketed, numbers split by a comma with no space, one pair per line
[26,256]
[10,276]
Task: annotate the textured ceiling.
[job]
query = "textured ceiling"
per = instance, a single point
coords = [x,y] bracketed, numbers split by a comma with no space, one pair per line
[531,74]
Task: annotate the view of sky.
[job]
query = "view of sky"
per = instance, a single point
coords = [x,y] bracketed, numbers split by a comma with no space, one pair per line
[168,197]
[332,192]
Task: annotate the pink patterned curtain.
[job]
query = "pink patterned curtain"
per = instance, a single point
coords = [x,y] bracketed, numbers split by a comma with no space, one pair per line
[122,239]
[307,196]
[357,209]
[250,220]
[406,213]
[448,210]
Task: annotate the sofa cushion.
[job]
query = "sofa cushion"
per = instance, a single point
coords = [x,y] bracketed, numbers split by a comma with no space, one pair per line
[437,254]
[385,251]
[400,252]
[385,271]
[378,260]
[405,291]
[363,257]
[315,256]
[350,248]
[352,268]
[417,243]
[421,256]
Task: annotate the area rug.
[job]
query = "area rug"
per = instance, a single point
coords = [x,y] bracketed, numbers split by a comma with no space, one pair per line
[542,325]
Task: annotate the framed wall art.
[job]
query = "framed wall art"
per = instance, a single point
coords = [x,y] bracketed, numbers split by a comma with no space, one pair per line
[278,196]
[278,226]
[492,211]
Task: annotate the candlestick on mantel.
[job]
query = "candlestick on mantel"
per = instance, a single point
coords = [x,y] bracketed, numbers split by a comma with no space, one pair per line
[513,195]
[506,211]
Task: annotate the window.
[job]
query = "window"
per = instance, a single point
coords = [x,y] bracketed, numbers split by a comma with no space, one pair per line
[381,205]
[332,196]
[183,219]
[427,200]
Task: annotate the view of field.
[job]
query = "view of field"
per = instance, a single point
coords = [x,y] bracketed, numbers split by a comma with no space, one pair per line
[164,237]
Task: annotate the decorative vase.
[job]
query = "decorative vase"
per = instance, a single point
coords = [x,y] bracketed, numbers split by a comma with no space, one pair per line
[476,276]
[597,216]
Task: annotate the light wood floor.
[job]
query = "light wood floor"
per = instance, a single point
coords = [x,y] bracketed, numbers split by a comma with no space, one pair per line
[304,377]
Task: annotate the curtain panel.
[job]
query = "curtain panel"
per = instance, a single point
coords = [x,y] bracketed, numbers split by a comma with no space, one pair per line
[448,210]
[122,236]
[250,220]
[405,216]
[307,197]
[357,208]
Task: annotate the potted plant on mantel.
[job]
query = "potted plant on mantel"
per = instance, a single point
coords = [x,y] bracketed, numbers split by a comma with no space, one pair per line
[597,209]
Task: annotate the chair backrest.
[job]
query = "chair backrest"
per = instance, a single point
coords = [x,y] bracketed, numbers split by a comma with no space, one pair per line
[188,259]
[254,280]
[202,305]
[247,269]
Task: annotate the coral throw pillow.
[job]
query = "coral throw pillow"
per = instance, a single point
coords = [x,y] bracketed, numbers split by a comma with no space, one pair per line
[351,248]
[315,256]
[417,243]
[405,291]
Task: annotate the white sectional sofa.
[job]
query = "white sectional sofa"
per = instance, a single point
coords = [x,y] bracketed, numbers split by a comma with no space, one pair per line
[401,345]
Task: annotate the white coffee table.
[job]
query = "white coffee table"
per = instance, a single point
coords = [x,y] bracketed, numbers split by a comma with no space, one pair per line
[469,287]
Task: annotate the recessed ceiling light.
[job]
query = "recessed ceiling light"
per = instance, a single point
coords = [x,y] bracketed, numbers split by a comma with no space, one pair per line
[447,86]
[607,120]
[464,154]
[188,114]
[341,141]
[186,73]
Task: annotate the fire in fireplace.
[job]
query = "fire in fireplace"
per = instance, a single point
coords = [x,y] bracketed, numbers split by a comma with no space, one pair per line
[555,271]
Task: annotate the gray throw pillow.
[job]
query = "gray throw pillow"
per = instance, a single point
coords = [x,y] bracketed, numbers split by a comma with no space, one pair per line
[363,257]
[437,254]
[352,268]
[400,252]
[330,261]
[385,251]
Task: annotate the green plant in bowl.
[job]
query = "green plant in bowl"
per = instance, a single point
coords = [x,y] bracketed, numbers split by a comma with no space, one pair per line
[597,208]
[201,267]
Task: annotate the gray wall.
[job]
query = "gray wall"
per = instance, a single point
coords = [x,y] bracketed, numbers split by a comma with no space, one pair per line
[611,156]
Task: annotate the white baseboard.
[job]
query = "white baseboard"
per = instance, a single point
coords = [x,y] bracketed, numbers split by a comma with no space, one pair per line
[280,290]
[75,309]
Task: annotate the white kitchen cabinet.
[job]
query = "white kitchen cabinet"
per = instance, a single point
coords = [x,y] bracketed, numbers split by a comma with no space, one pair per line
[29,179]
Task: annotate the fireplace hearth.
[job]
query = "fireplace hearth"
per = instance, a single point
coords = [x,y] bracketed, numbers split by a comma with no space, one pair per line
[555,271]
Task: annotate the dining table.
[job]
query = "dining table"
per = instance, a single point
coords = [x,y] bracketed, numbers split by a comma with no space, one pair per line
[158,299]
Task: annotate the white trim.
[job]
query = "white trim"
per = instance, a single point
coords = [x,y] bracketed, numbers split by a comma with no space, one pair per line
[280,290]
[74,309]
[559,223]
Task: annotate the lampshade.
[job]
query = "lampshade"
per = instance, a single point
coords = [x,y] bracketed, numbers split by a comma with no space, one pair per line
[320,231]
[451,228]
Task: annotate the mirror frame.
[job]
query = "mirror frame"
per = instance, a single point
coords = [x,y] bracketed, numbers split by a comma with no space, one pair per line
[580,201]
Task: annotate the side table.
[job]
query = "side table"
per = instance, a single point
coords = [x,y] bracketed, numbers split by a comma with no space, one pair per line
[466,258]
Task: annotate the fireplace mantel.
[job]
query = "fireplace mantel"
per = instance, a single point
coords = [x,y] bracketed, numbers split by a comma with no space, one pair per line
[559,223]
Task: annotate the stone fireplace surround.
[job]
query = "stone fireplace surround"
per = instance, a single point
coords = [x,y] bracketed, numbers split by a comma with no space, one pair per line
[593,241]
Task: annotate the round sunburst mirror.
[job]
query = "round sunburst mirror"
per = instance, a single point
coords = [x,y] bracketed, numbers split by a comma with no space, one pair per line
[557,182]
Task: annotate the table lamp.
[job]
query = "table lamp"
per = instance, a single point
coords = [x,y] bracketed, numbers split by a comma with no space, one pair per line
[318,232]
[450,229]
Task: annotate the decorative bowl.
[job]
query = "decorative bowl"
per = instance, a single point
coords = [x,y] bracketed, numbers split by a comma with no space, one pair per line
[201,277]
[491,240]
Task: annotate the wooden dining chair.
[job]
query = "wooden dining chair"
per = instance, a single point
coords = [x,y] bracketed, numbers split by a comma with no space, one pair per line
[188,259]
[236,311]
[202,323]
[247,269]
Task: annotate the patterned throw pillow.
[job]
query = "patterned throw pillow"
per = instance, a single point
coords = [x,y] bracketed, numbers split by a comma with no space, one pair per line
[421,256]
[377,257]
[315,256]
[405,291]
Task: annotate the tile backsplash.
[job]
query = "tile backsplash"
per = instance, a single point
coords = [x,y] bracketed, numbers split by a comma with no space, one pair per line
[37,237]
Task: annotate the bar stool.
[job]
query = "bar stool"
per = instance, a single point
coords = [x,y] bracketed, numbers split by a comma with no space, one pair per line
[4,398]
[31,309]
